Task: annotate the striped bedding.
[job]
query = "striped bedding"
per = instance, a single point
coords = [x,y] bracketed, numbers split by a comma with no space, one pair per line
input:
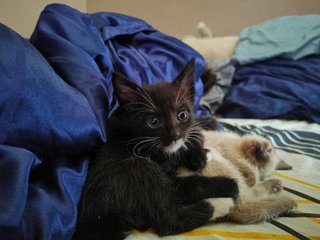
[298,144]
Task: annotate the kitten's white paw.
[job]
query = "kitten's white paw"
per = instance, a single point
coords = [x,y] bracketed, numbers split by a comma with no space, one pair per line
[222,206]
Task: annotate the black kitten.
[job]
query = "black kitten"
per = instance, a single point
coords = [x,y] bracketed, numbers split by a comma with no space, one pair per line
[131,181]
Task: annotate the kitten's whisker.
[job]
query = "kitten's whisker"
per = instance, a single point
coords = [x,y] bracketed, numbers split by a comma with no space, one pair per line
[158,149]
[198,124]
[153,148]
[147,147]
[195,131]
[142,109]
[147,97]
[142,112]
[143,144]
[185,100]
[196,140]
[143,106]
[194,134]
[136,149]
[141,138]
[179,98]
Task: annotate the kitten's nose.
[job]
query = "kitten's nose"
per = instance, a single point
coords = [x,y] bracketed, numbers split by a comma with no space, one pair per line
[174,135]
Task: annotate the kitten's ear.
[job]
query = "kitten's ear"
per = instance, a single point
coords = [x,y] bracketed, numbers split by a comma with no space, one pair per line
[185,80]
[125,90]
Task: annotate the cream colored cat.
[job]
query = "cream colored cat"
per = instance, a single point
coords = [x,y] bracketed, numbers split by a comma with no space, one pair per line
[248,160]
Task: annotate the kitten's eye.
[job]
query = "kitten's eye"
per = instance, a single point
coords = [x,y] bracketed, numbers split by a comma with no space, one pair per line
[153,122]
[183,116]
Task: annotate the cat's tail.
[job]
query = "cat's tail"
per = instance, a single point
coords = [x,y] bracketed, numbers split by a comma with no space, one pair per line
[261,210]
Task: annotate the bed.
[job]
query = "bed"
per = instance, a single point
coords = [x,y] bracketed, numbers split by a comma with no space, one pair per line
[56,96]
[297,143]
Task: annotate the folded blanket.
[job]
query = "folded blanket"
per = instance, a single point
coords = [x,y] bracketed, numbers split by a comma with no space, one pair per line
[291,37]
[55,99]
[276,88]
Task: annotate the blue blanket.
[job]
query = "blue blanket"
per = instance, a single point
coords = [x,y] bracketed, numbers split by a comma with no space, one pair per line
[277,71]
[55,98]
[276,88]
[291,37]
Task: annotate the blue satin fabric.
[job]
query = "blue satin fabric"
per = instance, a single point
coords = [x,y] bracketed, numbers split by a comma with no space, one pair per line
[55,97]
[83,47]
[276,88]
[46,129]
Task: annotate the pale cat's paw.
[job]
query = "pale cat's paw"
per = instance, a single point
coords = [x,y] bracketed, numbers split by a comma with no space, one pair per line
[221,206]
[286,204]
[273,185]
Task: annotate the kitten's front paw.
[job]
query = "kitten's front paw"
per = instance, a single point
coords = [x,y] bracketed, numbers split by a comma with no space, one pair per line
[196,160]
[227,188]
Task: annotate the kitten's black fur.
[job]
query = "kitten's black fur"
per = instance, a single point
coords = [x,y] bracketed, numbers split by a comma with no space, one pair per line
[131,181]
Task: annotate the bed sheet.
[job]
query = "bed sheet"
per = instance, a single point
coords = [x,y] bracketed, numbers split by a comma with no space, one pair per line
[298,144]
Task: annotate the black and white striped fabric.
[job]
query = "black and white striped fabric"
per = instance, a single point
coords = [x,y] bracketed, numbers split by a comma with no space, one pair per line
[300,142]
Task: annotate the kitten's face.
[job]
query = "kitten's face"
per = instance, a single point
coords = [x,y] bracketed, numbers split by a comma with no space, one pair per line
[160,115]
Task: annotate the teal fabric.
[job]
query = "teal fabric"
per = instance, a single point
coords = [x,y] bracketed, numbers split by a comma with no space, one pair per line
[292,37]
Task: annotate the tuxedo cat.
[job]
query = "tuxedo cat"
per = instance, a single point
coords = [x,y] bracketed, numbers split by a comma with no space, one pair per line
[249,159]
[132,182]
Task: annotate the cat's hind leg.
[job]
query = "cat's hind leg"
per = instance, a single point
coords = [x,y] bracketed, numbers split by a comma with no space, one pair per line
[155,201]
[266,188]
[191,203]
[193,189]
[259,210]
[188,217]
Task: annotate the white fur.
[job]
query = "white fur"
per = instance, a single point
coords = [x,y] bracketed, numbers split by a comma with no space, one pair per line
[222,206]
[174,147]
[212,155]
